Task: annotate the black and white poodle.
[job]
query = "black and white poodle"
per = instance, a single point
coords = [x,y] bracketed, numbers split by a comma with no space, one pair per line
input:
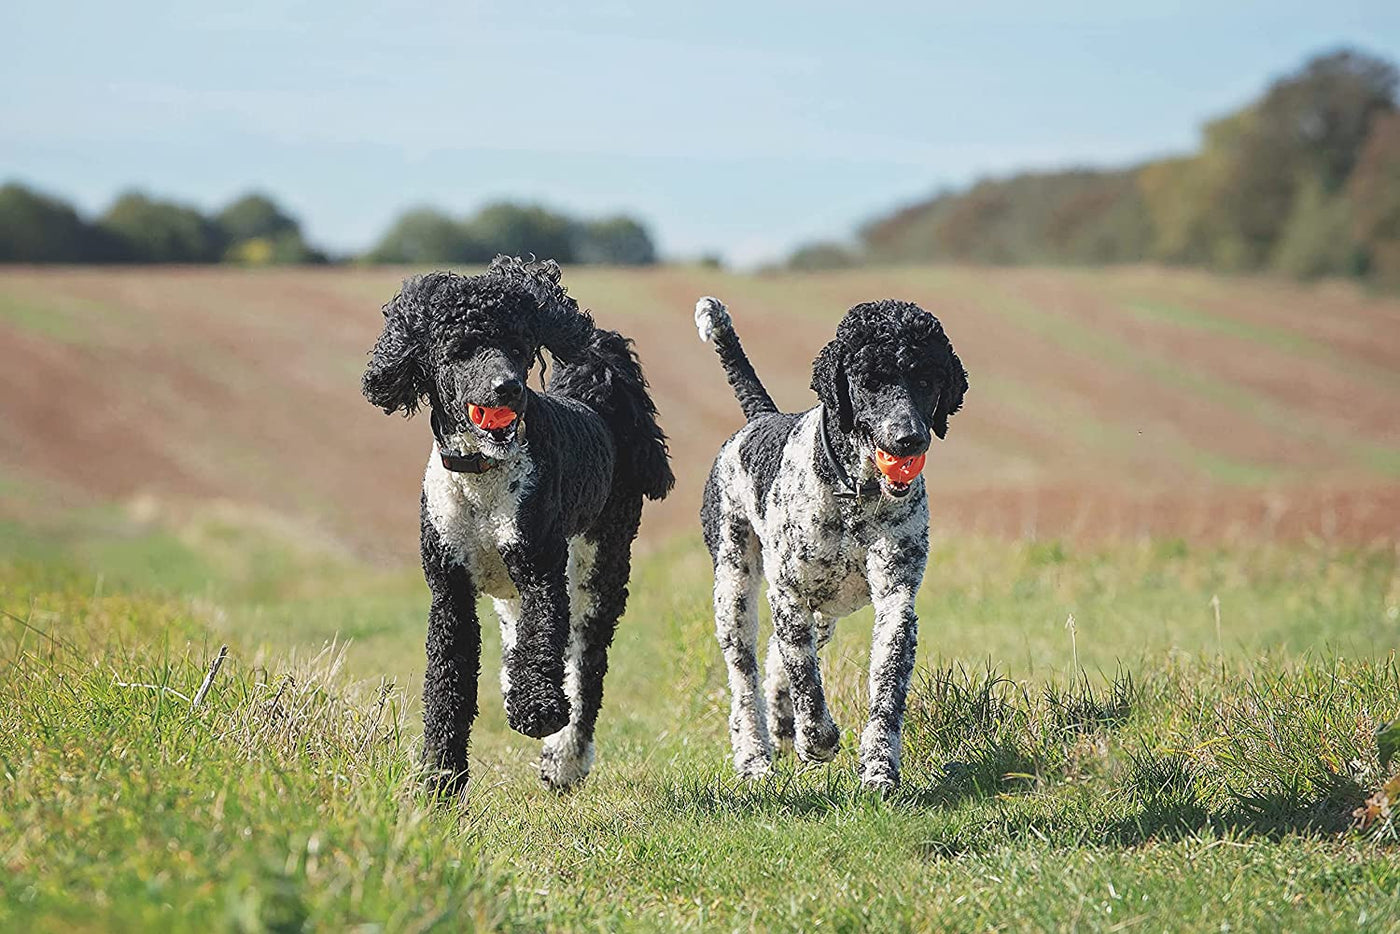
[531,498]
[827,505]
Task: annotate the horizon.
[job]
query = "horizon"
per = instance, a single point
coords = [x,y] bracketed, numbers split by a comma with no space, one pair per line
[742,145]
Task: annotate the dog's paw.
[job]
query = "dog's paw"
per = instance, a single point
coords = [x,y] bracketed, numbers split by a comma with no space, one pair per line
[818,742]
[444,784]
[565,766]
[880,777]
[710,316]
[879,758]
[754,767]
[537,713]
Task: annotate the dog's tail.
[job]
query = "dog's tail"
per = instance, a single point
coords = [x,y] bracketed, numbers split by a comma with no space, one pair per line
[715,326]
[608,378]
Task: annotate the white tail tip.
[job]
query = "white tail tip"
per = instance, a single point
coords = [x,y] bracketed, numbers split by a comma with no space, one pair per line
[710,316]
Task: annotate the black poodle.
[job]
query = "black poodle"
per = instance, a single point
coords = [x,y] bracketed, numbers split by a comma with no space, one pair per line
[532,498]
[829,506]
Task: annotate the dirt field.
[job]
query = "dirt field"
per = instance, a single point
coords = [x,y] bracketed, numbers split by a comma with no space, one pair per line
[1104,403]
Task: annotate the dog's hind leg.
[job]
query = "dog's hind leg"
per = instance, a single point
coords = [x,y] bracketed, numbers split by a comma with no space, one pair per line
[599,568]
[737,575]
[508,612]
[779,692]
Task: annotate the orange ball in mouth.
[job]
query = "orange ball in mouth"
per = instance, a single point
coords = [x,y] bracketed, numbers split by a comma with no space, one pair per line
[899,469]
[490,417]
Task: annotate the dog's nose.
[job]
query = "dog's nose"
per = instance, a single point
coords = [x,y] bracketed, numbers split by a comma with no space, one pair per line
[906,438]
[508,391]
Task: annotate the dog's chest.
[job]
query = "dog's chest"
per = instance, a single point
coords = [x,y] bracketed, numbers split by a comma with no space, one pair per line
[819,554]
[477,515]
[834,553]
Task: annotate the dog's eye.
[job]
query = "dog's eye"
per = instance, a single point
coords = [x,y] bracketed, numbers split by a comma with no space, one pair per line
[923,384]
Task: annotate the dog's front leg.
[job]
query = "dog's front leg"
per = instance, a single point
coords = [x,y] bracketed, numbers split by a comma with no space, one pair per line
[536,704]
[817,737]
[895,568]
[453,664]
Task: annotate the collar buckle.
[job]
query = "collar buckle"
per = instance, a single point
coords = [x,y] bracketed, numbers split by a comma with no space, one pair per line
[475,462]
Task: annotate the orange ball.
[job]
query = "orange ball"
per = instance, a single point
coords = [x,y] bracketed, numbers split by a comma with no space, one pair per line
[899,469]
[490,417]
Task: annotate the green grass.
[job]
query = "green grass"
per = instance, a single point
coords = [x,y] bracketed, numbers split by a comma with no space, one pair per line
[1179,779]
[66,319]
[40,319]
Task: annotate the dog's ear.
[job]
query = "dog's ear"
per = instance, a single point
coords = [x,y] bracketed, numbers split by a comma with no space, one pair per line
[559,324]
[830,384]
[396,378]
[950,397]
[562,328]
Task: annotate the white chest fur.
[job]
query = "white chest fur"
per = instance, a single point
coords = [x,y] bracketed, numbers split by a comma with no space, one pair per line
[475,515]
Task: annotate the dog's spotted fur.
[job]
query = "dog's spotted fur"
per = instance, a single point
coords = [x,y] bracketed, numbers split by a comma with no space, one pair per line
[546,530]
[773,508]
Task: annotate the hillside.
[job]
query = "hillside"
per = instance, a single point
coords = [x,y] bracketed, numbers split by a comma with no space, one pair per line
[1113,402]
[1303,181]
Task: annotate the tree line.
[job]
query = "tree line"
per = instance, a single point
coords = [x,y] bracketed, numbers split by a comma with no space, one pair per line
[38,228]
[253,230]
[426,235]
[1304,181]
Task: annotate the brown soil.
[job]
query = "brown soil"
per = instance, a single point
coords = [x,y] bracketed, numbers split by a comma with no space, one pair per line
[195,384]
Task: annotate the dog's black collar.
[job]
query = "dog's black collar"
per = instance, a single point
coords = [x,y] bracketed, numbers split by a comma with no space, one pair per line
[476,462]
[845,489]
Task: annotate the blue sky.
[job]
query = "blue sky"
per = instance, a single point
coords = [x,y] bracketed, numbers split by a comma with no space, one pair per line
[738,128]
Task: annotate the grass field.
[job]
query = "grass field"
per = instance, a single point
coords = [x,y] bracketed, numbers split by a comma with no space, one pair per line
[192,466]
[1179,778]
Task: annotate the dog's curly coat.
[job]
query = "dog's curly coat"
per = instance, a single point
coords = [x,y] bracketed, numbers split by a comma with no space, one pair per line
[796,498]
[545,520]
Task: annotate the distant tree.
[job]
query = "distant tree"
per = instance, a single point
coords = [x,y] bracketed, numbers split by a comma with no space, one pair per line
[1268,188]
[910,234]
[1319,238]
[1100,218]
[1232,204]
[813,257]
[36,228]
[1374,194]
[1173,191]
[259,233]
[1245,192]
[524,229]
[161,231]
[424,235]
[975,227]
[1321,115]
[614,241]
[1076,216]
[285,249]
[254,215]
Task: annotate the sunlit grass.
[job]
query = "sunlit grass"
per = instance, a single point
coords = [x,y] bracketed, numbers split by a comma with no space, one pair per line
[1188,777]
